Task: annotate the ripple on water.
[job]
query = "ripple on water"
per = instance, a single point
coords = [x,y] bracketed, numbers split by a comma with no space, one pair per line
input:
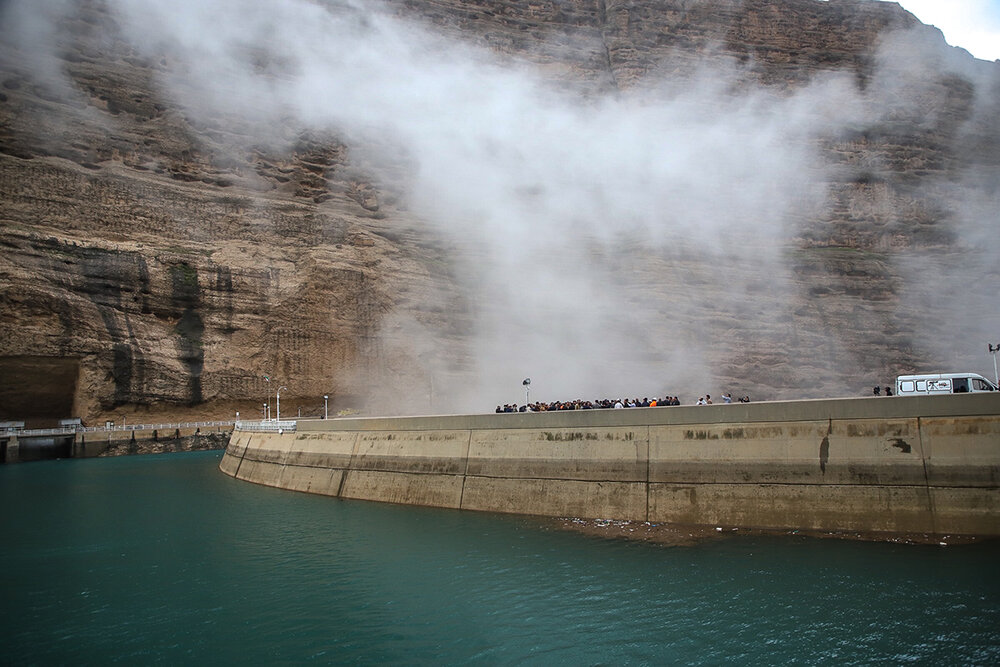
[166,559]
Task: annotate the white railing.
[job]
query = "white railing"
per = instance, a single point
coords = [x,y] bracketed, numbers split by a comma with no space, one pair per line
[269,425]
[72,430]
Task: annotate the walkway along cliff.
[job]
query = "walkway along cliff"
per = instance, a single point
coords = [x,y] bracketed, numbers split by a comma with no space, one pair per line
[925,464]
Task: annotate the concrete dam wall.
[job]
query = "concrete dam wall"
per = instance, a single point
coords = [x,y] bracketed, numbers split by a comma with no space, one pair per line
[913,464]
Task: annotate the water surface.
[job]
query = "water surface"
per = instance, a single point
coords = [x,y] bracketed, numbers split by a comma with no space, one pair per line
[164,559]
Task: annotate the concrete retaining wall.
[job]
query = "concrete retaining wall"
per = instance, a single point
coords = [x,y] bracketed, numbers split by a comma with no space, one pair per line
[87,444]
[913,464]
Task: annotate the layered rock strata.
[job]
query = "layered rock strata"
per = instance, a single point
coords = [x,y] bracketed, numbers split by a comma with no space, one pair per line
[156,261]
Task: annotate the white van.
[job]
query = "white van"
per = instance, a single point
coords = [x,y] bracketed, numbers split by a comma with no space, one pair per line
[942,383]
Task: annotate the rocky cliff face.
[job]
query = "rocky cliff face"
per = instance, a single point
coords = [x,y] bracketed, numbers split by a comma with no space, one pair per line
[167,245]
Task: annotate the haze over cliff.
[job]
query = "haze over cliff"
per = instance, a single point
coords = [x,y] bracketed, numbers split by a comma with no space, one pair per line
[411,207]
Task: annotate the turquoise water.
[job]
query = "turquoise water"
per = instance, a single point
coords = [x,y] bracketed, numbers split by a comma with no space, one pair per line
[163,559]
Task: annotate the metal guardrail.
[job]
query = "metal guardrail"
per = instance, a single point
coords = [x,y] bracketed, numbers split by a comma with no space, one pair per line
[270,426]
[73,430]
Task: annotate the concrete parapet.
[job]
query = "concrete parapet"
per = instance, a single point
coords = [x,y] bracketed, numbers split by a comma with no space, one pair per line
[952,405]
[925,464]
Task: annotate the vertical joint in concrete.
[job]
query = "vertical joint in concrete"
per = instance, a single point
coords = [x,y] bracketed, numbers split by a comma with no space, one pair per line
[465,473]
[647,474]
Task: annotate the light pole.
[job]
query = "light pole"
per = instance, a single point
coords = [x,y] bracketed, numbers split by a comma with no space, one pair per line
[267,404]
[527,390]
[277,403]
[326,411]
[263,411]
[993,350]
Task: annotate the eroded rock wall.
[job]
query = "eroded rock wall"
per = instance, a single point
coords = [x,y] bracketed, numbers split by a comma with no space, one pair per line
[168,261]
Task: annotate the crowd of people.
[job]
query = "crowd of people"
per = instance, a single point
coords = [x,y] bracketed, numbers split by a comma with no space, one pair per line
[610,404]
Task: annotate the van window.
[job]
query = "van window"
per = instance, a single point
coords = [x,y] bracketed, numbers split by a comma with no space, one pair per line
[906,385]
[979,385]
[960,385]
[921,385]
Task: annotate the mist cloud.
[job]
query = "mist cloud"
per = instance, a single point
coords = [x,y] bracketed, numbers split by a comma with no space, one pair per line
[952,291]
[571,212]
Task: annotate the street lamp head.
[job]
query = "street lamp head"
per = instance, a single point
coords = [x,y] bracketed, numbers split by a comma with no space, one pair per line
[526,382]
